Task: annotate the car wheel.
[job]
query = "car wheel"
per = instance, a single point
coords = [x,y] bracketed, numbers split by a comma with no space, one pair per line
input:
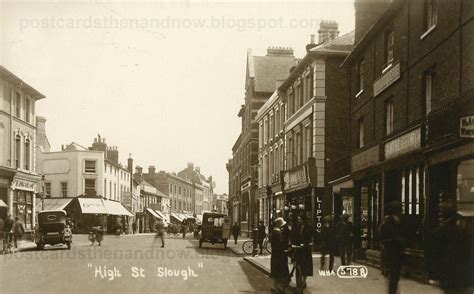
[40,246]
[68,245]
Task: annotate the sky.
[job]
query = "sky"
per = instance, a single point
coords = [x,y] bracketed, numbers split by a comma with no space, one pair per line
[161,80]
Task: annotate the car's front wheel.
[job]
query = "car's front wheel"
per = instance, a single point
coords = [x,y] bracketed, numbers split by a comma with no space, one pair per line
[40,245]
[68,244]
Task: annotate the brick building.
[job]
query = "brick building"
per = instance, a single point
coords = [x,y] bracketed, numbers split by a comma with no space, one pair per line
[316,125]
[262,72]
[411,110]
[203,188]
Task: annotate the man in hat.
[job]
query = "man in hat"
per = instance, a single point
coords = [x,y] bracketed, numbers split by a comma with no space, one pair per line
[279,260]
[393,244]
[344,239]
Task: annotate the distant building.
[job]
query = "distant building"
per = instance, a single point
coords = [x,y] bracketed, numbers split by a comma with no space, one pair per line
[202,187]
[262,73]
[19,180]
[220,204]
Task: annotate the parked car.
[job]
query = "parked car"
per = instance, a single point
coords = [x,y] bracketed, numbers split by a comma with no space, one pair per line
[52,229]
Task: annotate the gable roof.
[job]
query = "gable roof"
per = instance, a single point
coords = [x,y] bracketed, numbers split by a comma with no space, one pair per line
[75,147]
[267,70]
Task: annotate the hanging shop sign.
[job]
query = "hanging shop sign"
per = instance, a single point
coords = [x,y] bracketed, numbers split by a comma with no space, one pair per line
[387,79]
[25,185]
[245,186]
[127,200]
[318,210]
[466,127]
[403,144]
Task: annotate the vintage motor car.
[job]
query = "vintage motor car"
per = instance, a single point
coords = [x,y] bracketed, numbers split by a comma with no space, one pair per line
[215,228]
[52,229]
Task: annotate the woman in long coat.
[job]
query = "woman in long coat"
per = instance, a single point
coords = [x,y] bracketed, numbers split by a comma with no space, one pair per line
[302,240]
[279,260]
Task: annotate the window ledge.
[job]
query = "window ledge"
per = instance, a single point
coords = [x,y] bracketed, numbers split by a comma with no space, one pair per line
[389,66]
[427,32]
[359,93]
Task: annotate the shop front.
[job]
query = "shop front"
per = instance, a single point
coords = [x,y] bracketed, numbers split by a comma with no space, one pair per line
[302,196]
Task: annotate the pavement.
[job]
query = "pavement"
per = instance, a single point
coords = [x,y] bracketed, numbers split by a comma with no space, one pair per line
[326,282]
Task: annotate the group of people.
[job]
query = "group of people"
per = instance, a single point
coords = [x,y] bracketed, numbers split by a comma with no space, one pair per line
[296,244]
[12,230]
[336,238]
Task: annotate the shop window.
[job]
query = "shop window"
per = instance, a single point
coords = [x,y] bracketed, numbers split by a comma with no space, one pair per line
[465,187]
[89,166]
[430,14]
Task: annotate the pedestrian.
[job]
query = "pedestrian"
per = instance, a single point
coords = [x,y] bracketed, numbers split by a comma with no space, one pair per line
[183,228]
[454,252]
[393,242]
[160,231]
[279,259]
[235,231]
[344,239]
[302,244]
[261,235]
[134,227]
[329,242]
[18,231]
[1,224]
[118,226]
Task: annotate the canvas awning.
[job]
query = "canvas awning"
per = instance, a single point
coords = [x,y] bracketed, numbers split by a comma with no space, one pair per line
[177,216]
[115,208]
[153,213]
[92,206]
[52,203]
[2,203]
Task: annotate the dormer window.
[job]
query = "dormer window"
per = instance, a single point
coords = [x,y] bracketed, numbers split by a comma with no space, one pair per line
[388,49]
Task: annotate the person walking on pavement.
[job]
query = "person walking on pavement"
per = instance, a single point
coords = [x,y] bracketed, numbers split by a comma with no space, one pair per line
[302,244]
[279,271]
[160,231]
[134,227]
[454,252]
[344,239]
[261,235]
[183,228]
[235,231]
[393,242]
[329,242]
[18,231]
[7,229]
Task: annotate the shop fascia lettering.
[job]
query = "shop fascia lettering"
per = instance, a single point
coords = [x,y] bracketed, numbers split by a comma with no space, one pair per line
[23,185]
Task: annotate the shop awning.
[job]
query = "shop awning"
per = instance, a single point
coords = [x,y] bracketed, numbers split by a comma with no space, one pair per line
[153,213]
[115,208]
[177,216]
[2,204]
[52,203]
[92,206]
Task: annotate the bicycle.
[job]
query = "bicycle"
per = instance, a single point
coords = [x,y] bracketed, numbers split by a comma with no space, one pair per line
[8,246]
[247,247]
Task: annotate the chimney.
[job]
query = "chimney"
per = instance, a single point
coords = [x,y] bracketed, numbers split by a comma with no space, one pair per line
[311,44]
[328,30]
[151,170]
[130,163]
[280,51]
[190,165]
[112,154]
[367,12]
[139,170]
[198,169]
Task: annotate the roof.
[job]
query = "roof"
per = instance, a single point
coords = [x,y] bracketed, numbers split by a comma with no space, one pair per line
[75,147]
[267,105]
[339,46]
[267,70]
[391,10]
[9,76]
